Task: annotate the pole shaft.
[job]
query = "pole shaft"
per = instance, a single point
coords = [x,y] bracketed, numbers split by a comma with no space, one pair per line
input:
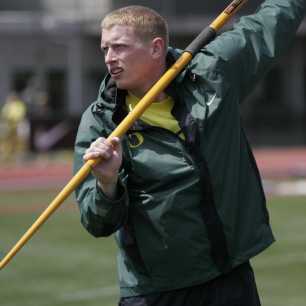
[231,9]
[209,33]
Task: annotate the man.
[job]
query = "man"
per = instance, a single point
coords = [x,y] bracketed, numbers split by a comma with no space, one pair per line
[13,116]
[181,191]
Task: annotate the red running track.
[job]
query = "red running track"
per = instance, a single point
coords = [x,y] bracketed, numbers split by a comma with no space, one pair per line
[279,164]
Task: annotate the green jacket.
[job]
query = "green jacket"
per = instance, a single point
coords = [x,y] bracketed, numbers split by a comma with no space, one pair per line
[189,210]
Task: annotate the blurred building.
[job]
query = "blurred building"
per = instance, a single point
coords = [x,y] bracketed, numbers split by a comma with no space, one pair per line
[50,51]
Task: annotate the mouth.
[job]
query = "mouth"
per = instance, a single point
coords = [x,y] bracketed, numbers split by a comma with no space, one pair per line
[116,72]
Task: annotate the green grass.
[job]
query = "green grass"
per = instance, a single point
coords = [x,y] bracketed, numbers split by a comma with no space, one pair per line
[63,265]
[281,269]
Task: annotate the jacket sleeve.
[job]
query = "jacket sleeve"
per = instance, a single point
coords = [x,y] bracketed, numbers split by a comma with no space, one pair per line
[99,215]
[247,51]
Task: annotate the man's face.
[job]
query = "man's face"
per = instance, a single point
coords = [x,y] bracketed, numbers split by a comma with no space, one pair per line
[128,59]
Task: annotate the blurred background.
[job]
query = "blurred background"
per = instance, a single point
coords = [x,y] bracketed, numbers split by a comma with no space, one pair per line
[50,56]
[50,70]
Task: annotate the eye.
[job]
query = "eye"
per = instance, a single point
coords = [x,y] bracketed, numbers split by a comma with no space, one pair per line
[104,49]
[118,47]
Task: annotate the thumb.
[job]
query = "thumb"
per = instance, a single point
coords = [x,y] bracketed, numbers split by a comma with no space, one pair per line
[115,142]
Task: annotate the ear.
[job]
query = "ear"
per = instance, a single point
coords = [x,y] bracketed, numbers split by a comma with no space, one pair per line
[157,47]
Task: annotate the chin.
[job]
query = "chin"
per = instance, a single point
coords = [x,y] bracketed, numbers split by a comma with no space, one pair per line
[122,85]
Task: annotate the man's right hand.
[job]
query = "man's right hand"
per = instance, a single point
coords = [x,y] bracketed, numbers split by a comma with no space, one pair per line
[106,172]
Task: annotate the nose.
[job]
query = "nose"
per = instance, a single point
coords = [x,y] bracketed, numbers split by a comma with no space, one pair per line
[109,56]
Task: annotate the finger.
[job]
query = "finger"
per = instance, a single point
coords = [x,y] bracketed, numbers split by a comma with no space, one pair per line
[91,155]
[101,145]
[103,148]
[114,141]
[98,152]
[116,144]
[97,143]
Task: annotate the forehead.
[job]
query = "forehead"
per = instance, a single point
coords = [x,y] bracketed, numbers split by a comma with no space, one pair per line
[118,33]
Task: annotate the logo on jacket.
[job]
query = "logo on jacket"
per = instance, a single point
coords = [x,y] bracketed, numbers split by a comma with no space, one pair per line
[135,139]
[211,100]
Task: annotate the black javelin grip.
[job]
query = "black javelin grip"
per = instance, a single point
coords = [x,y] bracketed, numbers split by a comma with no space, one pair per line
[209,33]
[205,37]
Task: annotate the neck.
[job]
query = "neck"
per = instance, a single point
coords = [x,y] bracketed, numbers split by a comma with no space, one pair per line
[160,97]
[154,77]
